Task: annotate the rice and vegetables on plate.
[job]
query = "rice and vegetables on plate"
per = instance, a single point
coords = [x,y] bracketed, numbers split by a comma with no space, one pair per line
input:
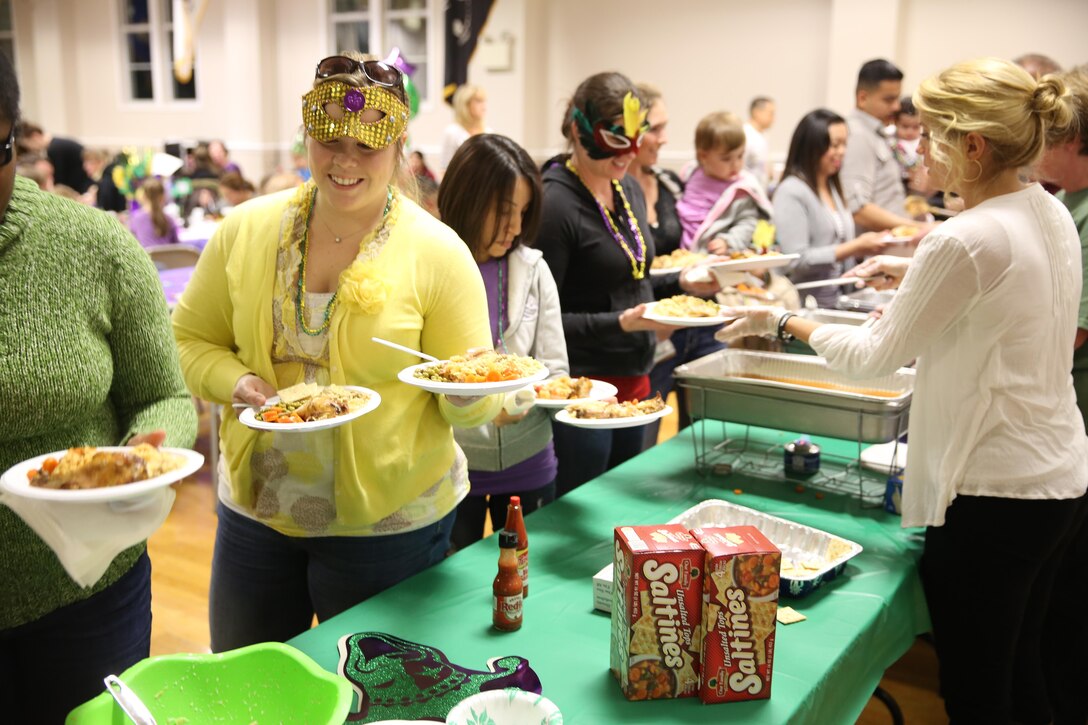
[308,402]
[485,367]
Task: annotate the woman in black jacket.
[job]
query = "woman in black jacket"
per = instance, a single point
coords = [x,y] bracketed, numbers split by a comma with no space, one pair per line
[597,241]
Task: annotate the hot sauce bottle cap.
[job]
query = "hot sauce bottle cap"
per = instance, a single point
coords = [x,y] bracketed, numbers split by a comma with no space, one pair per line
[508,539]
[515,500]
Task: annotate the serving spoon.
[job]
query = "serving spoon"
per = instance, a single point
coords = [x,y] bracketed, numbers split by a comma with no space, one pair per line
[130,704]
[402,348]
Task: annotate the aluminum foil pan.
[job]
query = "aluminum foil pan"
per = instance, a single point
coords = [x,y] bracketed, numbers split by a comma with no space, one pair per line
[810,557]
[830,404]
[834,317]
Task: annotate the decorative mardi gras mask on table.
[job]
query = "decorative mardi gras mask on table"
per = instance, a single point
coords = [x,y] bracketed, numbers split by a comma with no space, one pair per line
[602,138]
[335,109]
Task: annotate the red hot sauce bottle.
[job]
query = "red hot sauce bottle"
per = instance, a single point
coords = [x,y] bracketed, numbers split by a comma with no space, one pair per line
[516,522]
[506,612]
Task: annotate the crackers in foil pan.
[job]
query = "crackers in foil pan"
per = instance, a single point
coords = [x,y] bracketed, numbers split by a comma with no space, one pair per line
[810,557]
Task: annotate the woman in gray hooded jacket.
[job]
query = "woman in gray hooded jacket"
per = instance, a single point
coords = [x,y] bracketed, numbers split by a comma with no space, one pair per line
[491,196]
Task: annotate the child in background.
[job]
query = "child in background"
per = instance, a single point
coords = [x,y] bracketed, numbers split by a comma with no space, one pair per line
[491,196]
[428,194]
[908,133]
[149,224]
[418,166]
[722,201]
[234,189]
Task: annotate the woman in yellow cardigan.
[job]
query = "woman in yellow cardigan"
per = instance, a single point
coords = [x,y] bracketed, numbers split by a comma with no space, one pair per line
[292,288]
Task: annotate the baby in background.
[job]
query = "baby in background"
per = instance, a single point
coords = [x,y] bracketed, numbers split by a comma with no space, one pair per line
[908,134]
[722,201]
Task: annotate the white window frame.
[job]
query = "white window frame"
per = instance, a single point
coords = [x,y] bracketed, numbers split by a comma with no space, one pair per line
[9,35]
[158,29]
[377,16]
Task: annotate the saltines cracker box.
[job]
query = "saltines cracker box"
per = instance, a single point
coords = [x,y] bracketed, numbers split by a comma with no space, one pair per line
[740,599]
[656,605]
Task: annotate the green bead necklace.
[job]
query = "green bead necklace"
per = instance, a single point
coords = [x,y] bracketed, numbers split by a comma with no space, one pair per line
[300,291]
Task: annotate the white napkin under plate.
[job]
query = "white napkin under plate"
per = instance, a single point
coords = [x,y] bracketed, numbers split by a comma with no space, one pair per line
[86,537]
[519,401]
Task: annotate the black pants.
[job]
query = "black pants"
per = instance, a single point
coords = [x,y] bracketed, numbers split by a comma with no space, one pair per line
[469,526]
[585,454]
[1065,631]
[988,575]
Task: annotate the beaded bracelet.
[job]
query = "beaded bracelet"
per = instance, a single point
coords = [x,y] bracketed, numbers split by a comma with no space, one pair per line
[782,334]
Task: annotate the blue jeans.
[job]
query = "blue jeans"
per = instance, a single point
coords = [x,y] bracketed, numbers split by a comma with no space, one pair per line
[691,343]
[56,663]
[585,454]
[267,586]
[472,512]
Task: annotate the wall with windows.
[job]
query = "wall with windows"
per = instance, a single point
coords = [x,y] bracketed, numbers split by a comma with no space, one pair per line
[254,59]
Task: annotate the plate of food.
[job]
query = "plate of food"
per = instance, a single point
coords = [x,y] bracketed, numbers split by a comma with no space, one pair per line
[686,311]
[675,261]
[307,407]
[476,375]
[603,415]
[96,474]
[901,234]
[563,391]
[749,260]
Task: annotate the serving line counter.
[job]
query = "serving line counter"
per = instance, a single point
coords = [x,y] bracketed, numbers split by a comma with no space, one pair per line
[825,668]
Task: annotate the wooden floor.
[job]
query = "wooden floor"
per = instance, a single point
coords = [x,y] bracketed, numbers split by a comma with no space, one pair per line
[181,553]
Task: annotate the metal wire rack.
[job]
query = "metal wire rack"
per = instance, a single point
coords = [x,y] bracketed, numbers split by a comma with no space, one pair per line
[722,454]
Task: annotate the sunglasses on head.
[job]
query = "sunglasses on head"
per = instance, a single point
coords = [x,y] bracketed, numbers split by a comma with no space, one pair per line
[377,72]
[7,151]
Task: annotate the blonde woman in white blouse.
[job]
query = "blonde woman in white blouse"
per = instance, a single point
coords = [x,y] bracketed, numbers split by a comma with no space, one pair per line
[469,113]
[998,459]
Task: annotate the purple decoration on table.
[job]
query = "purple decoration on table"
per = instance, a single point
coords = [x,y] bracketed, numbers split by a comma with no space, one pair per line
[354,100]
[398,679]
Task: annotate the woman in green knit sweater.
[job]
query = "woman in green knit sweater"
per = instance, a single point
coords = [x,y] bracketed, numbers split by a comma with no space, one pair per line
[86,358]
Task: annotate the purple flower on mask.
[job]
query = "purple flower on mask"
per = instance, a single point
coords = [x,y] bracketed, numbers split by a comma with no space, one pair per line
[354,100]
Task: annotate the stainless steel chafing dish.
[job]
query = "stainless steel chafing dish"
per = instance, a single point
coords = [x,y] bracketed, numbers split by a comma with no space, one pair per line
[717,389]
[834,317]
[865,300]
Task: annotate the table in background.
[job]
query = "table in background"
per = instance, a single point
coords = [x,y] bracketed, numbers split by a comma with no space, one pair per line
[825,668]
[198,233]
[174,282]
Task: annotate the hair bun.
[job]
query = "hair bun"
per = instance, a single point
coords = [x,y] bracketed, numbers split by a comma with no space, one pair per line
[1052,102]
[1049,97]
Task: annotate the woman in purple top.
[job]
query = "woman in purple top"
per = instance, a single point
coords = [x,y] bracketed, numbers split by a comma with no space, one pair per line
[490,195]
[149,224]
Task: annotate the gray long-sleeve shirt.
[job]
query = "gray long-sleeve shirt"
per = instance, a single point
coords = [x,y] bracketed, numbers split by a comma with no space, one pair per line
[806,226]
[870,174]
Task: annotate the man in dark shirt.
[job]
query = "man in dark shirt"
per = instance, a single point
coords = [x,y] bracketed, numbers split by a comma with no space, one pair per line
[65,154]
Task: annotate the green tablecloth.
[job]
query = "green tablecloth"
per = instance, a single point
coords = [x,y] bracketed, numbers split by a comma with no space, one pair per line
[825,669]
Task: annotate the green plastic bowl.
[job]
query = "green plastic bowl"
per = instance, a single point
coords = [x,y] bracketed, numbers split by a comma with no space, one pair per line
[262,683]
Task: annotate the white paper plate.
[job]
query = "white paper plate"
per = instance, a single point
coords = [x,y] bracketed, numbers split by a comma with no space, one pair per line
[889,239]
[249,418]
[667,270]
[15,481]
[749,263]
[684,321]
[509,706]
[467,390]
[599,391]
[879,457]
[611,423]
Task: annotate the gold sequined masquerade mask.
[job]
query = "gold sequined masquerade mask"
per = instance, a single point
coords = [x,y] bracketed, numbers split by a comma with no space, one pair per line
[348,104]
